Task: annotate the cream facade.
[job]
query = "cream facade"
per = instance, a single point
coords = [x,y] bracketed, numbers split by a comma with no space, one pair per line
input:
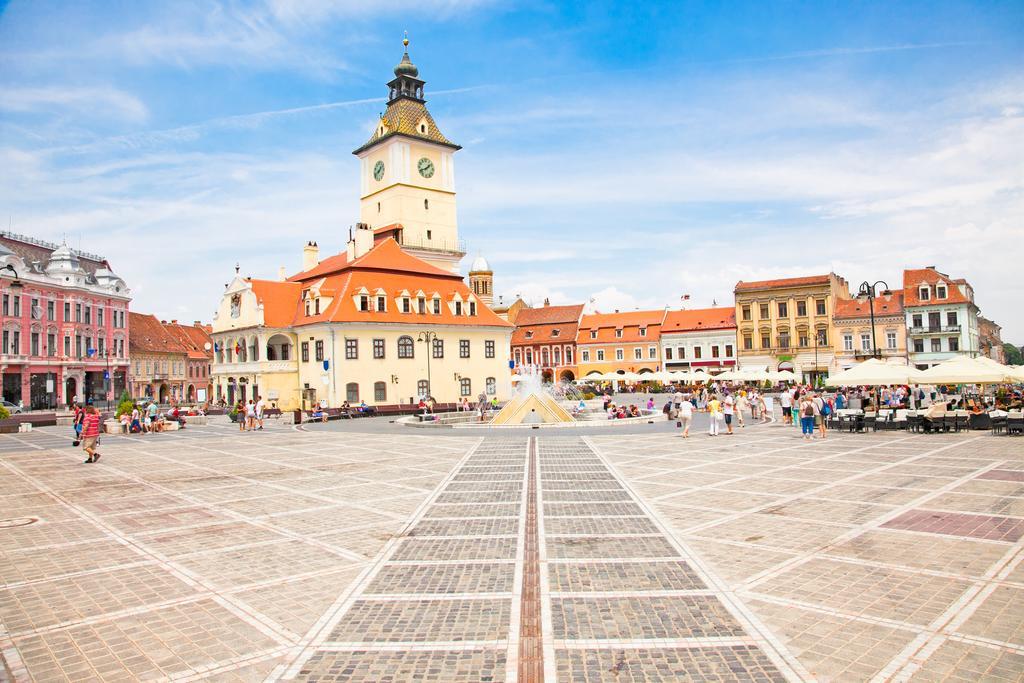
[787,324]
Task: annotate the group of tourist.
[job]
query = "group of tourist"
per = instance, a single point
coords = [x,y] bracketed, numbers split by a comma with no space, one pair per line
[250,415]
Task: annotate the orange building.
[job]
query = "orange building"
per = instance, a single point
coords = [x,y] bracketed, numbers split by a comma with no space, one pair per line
[619,342]
[546,337]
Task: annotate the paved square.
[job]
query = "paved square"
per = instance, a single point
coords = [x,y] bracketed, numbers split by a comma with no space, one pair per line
[405,556]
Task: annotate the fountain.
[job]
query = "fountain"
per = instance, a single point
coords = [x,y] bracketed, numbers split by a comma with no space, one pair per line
[532,403]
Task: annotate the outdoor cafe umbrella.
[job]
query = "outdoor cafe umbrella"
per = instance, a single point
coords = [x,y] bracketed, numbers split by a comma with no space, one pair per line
[874,372]
[963,370]
[782,376]
[699,376]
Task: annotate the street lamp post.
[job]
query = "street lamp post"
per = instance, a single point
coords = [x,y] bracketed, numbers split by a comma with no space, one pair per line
[428,337]
[868,290]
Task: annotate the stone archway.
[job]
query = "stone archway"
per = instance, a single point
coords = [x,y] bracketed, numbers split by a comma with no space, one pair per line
[566,376]
[162,395]
[190,393]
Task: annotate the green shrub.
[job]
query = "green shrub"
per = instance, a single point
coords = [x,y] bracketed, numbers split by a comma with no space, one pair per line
[125,407]
[4,413]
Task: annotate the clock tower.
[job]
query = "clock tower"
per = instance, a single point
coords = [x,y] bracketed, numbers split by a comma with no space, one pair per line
[407,175]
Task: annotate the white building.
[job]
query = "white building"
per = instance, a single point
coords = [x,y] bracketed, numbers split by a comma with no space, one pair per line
[700,338]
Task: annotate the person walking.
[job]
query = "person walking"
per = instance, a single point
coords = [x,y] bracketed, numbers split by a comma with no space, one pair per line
[714,414]
[742,403]
[240,415]
[260,407]
[729,409]
[250,415]
[76,424]
[786,401]
[90,433]
[824,410]
[685,412]
[807,410]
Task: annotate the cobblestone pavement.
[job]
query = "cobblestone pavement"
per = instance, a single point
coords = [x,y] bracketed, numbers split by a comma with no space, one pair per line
[285,555]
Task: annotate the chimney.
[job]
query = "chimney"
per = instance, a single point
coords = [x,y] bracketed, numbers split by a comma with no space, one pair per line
[547,301]
[363,239]
[198,323]
[174,322]
[282,274]
[310,256]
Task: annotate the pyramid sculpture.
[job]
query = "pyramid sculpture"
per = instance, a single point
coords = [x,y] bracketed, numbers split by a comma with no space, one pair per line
[532,408]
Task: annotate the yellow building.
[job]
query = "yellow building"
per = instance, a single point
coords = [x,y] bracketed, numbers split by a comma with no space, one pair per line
[787,324]
[387,321]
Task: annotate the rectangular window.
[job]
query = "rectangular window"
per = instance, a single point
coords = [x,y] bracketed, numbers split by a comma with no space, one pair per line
[638,353]
[802,339]
[17,306]
[924,294]
[585,356]
[78,346]
[764,312]
[405,305]
[819,306]
[465,388]
[600,354]
[766,341]
[745,312]
[919,346]
[88,315]
[67,311]
[51,345]
[728,350]
[463,348]
[67,347]
[822,337]
[890,340]
[568,355]
[714,351]
[652,352]
[99,316]
[954,343]
[78,313]
[917,320]
[865,342]
[784,340]
[940,292]
[681,352]
[748,342]
[437,307]
[783,309]
[421,305]
[102,348]
[593,334]
[319,349]
[305,351]
[618,333]
[668,353]
[491,386]
[378,348]
[458,308]
[489,348]
[801,308]
[472,308]
[437,348]
[7,304]
[351,349]
[382,303]
[364,302]
[951,318]
[643,331]
[847,342]
[620,354]
[697,351]
[936,344]
[35,307]
[34,344]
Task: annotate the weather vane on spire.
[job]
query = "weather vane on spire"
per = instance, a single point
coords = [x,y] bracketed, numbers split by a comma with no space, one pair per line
[405,40]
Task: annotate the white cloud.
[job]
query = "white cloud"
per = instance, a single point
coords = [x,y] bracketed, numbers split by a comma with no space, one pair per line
[99,102]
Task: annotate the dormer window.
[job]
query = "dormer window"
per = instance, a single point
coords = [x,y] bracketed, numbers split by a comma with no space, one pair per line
[458,308]
[364,302]
[643,331]
[593,334]
[529,334]
[555,332]
[940,292]
[382,303]
[437,306]
[423,128]
[472,308]
[618,332]
[406,308]
[924,294]
[421,305]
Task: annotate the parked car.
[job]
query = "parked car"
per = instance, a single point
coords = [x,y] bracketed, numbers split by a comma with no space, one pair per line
[12,408]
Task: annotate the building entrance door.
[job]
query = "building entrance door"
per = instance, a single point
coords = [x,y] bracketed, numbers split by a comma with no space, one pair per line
[70,390]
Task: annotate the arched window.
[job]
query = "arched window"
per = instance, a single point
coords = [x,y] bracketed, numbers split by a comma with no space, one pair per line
[465,387]
[380,392]
[405,347]
[254,350]
[422,388]
[352,392]
[491,386]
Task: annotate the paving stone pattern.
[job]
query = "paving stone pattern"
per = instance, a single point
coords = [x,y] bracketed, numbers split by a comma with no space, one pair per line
[208,554]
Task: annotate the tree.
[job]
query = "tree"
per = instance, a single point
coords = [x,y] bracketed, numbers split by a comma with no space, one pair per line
[1014,355]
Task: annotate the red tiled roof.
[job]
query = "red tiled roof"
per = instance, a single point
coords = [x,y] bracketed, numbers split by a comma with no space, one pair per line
[721,318]
[853,308]
[148,335]
[784,282]
[193,338]
[546,315]
[914,278]
[630,323]
[385,267]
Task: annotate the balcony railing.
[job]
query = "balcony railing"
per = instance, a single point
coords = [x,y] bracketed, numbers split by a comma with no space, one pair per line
[934,329]
[457,246]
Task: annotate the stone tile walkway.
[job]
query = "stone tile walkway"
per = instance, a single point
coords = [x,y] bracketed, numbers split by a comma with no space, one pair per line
[283,555]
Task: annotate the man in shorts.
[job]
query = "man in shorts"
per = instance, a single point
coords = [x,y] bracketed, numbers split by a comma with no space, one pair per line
[786,401]
[91,433]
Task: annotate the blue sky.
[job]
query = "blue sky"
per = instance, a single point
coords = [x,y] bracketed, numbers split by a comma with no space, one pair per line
[630,153]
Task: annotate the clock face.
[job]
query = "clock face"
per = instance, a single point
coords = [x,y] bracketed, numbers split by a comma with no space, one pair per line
[426,167]
[378,170]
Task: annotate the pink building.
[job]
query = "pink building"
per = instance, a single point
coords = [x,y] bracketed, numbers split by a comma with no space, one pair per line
[64,320]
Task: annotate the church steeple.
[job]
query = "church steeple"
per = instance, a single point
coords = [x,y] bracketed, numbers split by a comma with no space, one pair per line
[406,82]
